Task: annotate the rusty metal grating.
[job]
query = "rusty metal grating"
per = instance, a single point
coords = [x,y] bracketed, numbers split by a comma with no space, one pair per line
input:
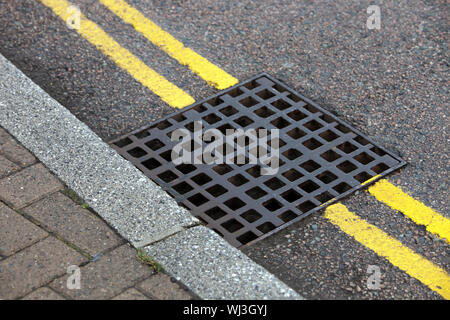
[321,160]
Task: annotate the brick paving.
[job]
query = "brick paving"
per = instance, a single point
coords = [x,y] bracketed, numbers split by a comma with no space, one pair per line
[45,229]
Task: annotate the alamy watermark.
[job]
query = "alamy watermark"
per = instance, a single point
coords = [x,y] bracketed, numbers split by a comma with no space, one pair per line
[74,20]
[374,20]
[238,146]
[374,277]
[74,278]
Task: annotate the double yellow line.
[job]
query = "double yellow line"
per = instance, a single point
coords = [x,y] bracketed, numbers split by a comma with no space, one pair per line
[367,234]
[158,84]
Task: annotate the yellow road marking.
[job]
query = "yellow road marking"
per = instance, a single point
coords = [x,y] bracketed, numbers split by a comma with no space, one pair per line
[174,48]
[371,180]
[395,198]
[167,91]
[433,276]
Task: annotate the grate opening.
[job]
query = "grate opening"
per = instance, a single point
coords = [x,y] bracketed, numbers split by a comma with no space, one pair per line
[274,183]
[246,237]
[310,166]
[124,142]
[264,112]
[217,190]
[326,177]
[330,156]
[291,195]
[321,159]
[256,192]
[280,104]
[362,176]
[287,216]
[329,135]
[296,115]
[266,227]
[292,154]
[201,179]
[272,205]
[183,188]
[238,180]
[342,187]
[137,152]
[306,206]
[296,133]
[312,144]
[251,215]
[198,199]
[324,197]
[229,111]
[232,225]
[215,213]
[186,168]
[292,175]
[167,176]
[346,166]
[234,203]
[151,164]
[309,186]
[380,168]
[363,158]
[248,102]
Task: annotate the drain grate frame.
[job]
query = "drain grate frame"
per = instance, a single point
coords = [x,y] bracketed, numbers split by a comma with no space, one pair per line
[322,160]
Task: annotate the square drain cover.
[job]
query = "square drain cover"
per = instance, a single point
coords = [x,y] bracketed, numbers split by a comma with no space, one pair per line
[320,159]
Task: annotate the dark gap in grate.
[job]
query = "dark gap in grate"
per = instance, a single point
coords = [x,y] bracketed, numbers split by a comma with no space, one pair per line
[251,215]
[237,200]
[217,190]
[232,225]
[292,175]
[215,213]
[274,183]
[256,192]
[266,227]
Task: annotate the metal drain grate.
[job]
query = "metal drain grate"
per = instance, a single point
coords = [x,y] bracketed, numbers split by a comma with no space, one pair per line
[321,160]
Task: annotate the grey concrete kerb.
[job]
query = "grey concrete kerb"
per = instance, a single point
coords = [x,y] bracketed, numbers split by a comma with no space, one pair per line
[131,203]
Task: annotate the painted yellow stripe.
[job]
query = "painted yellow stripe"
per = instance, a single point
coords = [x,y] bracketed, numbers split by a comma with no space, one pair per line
[211,73]
[415,265]
[395,198]
[167,91]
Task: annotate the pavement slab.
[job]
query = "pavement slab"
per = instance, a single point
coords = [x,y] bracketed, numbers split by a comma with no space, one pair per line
[35,266]
[28,185]
[110,275]
[161,287]
[61,216]
[43,293]
[17,232]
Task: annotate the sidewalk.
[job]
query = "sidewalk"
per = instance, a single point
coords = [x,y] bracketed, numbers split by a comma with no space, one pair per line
[45,228]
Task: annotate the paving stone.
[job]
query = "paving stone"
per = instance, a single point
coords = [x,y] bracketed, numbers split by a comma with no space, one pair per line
[131,294]
[4,136]
[16,231]
[59,214]
[35,266]
[10,148]
[107,277]
[43,293]
[161,287]
[28,185]
[7,167]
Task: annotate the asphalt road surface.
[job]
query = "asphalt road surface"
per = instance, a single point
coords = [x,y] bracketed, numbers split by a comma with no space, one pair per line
[390,83]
